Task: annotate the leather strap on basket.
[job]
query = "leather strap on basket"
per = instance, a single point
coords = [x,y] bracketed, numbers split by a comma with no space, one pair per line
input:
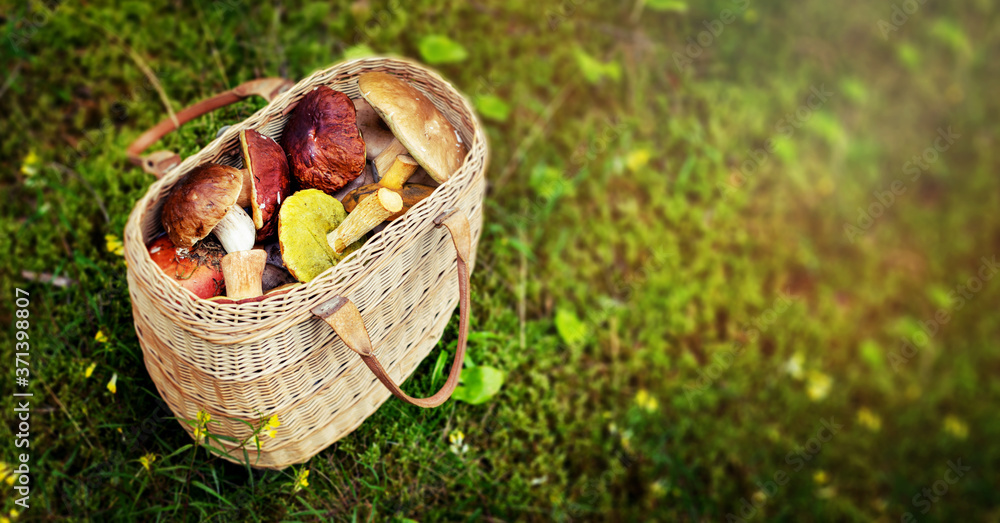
[341,314]
[159,162]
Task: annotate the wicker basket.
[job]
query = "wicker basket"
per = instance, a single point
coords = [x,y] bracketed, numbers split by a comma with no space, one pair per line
[278,356]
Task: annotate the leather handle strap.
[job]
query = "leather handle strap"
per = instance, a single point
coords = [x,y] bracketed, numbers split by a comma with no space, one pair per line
[341,314]
[159,162]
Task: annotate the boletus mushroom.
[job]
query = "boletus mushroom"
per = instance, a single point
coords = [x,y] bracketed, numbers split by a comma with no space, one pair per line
[204,202]
[325,149]
[428,136]
[265,181]
[370,212]
[304,221]
[198,270]
[374,131]
[199,201]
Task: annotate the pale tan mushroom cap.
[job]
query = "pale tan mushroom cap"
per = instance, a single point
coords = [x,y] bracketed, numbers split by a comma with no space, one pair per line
[428,136]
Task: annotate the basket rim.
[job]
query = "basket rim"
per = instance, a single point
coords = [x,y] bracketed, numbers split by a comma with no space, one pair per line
[138,256]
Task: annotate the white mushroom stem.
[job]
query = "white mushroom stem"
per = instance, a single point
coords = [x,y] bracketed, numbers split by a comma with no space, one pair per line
[370,212]
[235,230]
[242,270]
[242,267]
[399,172]
[387,157]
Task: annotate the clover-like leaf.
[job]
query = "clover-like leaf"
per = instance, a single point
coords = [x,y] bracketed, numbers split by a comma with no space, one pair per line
[571,329]
[439,49]
[479,384]
[493,107]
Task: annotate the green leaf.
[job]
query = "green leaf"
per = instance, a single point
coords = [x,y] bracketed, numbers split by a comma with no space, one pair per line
[439,49]
[593,69]
[492,107]
[872,353]
[571,329]
[674,6]
[479,384]
[438,370]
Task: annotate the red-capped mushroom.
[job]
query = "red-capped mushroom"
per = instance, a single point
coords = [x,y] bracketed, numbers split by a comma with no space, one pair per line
[325,149]
[266,182]
[198,270]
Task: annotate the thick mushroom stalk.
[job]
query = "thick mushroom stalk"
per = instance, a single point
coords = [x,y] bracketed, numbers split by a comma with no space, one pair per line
[244,265]
[384,161]
[366,216]
[243,270]
[400,171]
[235,230]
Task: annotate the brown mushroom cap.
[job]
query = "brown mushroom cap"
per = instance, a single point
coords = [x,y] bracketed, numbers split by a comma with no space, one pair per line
[325,149]
[428,136]
[268,174]
[197,203]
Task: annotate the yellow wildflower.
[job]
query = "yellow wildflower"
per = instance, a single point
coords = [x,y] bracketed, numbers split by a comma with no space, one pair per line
[113,384]
[956,427]
[90,370]
[4,519]
[820,477]
[302,480]
[6,473]
[818,385]
[204,417]
[273,424]
[637,159]
[114,244]
[147,460]
[869,419]
[759,497]
[101,337]
[29,166]
[646,401]
[199,434]
[14,513]
[457,440]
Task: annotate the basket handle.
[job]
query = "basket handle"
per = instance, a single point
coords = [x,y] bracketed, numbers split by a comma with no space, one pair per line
[159,162]
[344,317]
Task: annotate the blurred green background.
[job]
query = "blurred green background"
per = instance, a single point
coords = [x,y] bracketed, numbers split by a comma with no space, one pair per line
[736,260]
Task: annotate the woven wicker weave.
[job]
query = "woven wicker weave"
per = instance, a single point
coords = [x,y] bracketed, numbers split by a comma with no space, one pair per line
[241,362]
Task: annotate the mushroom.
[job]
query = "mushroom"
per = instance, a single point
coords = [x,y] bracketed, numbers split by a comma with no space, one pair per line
[370,212]
[411,193]
[374,131]
[325,149]
[205,201]
[304,221]
[199,201]
[428,136]
[265,181]
[198,270]
[243,267]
